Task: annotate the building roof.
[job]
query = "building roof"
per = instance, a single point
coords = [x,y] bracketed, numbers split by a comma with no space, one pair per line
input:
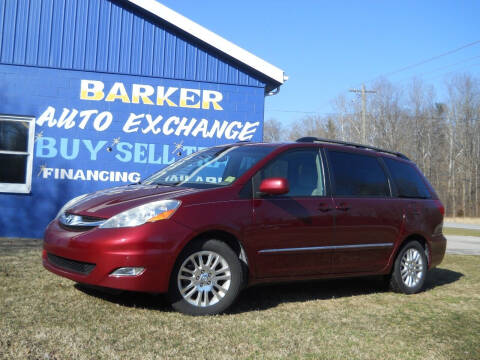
[210,38]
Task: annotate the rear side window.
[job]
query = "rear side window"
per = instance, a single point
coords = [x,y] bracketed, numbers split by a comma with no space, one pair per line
[408,181]
[357,175]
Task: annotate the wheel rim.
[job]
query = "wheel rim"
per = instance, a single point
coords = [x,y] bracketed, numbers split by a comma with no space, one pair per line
[411,267]
[204,278]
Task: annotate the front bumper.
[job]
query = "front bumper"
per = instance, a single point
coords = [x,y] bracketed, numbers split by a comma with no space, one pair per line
[153,246]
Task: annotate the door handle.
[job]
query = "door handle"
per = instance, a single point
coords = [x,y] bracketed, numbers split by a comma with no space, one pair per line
[342,206]
[324,207]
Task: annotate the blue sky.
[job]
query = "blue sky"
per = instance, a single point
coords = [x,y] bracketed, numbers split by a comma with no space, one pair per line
[328,47]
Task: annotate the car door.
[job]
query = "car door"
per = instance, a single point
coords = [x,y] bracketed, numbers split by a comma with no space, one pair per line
[291,233]
[367,225]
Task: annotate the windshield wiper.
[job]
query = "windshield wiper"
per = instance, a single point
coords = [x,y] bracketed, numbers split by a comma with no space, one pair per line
[160,183]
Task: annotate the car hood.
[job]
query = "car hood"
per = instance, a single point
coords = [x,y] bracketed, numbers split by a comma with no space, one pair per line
[109,202]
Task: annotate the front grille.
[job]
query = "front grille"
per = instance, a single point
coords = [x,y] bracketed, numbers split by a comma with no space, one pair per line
[79,267]
[91,218]
[74,222]
[75,227]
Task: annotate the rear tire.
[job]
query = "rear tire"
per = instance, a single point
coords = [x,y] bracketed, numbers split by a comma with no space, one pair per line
[410,269]
[206,279]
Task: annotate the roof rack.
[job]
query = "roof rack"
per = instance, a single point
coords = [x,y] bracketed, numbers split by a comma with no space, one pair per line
[360,146]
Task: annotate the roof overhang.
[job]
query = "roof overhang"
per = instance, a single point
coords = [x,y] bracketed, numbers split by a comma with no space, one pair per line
[219,43]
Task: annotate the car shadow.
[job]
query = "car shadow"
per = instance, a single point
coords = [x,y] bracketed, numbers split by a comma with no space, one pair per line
[263,297]
[267,296]
[127,298]
[439,277]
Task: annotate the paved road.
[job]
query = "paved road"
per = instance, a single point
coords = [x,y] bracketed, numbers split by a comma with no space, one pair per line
[461,226]
[468,245]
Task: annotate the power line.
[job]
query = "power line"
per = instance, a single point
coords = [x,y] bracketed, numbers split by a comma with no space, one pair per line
[432,58]
[300,112]
[444,67]
[411,66]
[429,78]
[399,81]
[292,111]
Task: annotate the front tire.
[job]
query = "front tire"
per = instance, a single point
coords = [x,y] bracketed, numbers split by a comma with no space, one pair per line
[206,279]
[410,269]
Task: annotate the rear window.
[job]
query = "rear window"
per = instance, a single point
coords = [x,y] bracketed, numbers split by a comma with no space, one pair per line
[357,175]
[408,181]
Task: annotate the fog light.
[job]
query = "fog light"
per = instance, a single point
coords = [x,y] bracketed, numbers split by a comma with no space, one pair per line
[128,271]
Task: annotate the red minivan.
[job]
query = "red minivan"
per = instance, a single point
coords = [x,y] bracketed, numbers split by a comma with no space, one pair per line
[234,215]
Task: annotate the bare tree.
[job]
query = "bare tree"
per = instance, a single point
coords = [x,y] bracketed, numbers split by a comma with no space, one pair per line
[272,130]
[464,126]
[443,138]
[317,126]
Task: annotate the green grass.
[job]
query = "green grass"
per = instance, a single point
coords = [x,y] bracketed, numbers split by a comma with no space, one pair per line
[463,232]
[43,316]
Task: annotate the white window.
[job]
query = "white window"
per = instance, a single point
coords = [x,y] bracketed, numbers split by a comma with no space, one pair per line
[16,153]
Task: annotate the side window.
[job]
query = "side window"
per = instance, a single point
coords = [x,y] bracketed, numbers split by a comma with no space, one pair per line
[407,179]
[302,169]
[16,153]
[357,175]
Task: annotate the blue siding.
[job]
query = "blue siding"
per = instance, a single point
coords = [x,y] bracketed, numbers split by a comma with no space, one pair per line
[21,17]
[8,31]
[136,49]
[91,33]
[33,33]
[80,35]
[99,35]
[147,48]
[44,41]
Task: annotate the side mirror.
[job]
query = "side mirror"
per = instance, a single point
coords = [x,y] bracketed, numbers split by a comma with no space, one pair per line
[274,186]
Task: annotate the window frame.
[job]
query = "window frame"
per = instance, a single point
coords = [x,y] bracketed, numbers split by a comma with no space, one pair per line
[331,175]
[326,181]
[26,187]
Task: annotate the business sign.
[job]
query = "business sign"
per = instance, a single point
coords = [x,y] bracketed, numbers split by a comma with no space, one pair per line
[96,130]
[118,128]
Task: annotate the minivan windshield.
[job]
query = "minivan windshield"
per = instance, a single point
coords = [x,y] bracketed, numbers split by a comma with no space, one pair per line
[212,167]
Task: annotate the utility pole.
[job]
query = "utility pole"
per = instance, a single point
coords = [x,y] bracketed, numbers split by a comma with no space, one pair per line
[364,109]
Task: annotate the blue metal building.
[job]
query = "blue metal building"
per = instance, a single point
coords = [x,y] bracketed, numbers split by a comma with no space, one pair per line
[99,93]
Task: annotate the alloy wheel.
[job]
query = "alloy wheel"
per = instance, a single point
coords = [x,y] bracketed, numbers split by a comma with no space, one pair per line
[204,278]
[411,267]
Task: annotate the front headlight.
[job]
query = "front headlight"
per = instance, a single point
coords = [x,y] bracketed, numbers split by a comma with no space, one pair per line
[69,204]
[151,212]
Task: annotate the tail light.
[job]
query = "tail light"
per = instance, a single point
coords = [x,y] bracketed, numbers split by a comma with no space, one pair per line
[440,207]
